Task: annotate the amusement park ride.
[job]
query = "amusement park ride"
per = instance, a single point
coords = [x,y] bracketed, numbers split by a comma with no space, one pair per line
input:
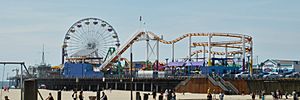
[94,43]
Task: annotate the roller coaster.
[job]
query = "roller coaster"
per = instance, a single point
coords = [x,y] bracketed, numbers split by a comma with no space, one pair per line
[88,39]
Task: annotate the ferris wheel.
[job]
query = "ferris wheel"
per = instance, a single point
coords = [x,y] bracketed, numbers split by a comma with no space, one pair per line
[90,38]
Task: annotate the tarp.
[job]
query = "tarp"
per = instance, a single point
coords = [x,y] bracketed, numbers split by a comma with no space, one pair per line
[175,63]
[138,66]
[56,67]
[194,63]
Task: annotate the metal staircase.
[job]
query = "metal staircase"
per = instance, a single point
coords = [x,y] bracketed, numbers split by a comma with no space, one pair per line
[217,83]
[229,86]
[225,85]
[182,83]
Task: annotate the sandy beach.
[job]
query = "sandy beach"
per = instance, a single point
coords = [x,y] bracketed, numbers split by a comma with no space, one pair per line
[14,94]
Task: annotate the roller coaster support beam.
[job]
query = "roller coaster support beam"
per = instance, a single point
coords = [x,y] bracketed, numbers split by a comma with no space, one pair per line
[251,62]
[173,47]
[244,51]
[209,50]
[157,54]
[190,48]
[147,50]
[204,56]
[226,55]
[63,55]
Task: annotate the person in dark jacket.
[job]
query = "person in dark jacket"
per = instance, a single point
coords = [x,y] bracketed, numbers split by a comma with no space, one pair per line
[80,95]
[50,97]
[104,97]
[154,94]
[161,96]
[209,96]
[6,98]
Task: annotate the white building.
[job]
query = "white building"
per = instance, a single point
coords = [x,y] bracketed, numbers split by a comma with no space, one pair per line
[273,65]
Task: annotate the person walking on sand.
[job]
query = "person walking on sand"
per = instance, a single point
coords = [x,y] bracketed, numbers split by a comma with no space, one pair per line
[295,95]
[209,96]
[154,94]
[214,94]
[286,95]
[74,95]
[173,96]
[221,96]
[6,98]
[208,90]
[50,97]
[253,96]
[161,96]
[80,95]
[104,97]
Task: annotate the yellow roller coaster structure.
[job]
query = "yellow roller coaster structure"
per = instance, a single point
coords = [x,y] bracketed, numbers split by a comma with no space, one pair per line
[243,46]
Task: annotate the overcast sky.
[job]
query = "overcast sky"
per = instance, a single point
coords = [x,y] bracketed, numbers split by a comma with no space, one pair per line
[26,25]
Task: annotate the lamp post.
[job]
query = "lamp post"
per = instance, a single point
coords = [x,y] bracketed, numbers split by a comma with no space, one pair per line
[167,61]
[77,81]
[103,80]
[131,97]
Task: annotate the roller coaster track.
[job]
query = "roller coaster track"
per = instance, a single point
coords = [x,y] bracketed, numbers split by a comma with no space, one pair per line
[248,38]
[136,36]
[218,53]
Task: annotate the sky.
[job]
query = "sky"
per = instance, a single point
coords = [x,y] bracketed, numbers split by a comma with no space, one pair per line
[25,25]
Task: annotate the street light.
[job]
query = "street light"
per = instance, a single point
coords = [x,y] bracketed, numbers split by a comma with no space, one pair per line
[131,97]
[77,81]
[103,80]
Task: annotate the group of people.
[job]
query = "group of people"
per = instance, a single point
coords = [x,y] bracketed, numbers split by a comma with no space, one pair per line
[276,95]
[168,94]
[212,95]
[80,96]
[261,95]
[74,96]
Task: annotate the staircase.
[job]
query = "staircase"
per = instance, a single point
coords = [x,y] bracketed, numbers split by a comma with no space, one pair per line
[229,86]
[225,85]
[217,83]
[182,83]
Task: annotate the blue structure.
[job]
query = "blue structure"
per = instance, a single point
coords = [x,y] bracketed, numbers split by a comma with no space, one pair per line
[219,69]
[80,70]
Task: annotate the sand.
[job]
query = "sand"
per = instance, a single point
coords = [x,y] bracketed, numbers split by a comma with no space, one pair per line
[14,94]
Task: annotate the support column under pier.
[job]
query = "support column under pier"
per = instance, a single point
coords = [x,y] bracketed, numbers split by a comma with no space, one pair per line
[106,85]
[143,86]
[151,87]
[135,86]
[125,86]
